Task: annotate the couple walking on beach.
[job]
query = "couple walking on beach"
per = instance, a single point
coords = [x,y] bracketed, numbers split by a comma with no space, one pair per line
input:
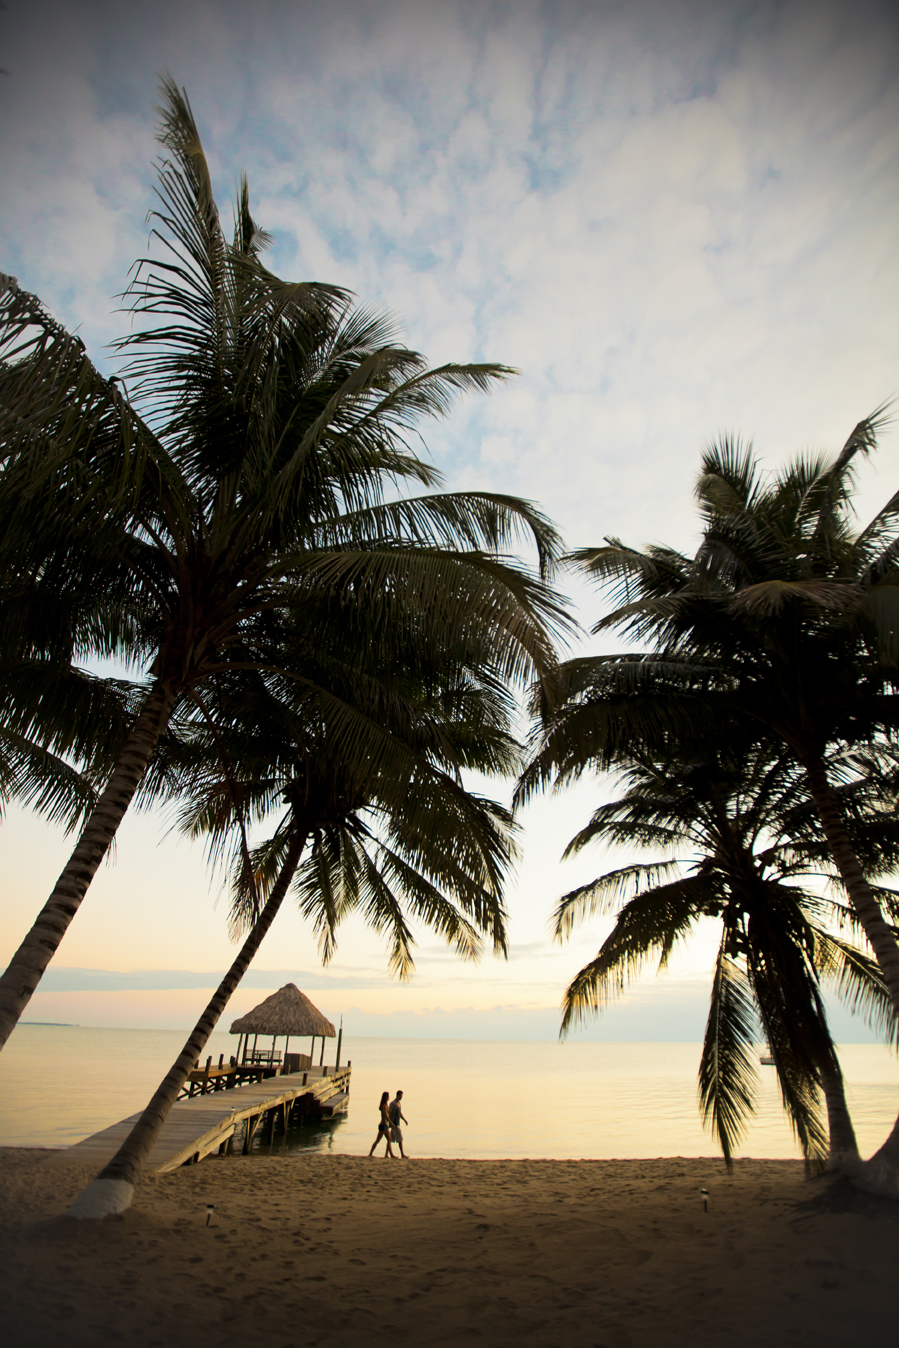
[389,1124]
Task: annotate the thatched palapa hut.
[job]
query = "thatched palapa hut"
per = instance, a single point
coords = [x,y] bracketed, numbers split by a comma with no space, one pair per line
[287,1012]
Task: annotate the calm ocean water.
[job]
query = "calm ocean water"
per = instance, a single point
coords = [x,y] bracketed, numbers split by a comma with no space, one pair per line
[463,1098]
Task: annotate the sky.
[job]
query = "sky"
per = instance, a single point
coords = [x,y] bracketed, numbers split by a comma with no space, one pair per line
[674,219]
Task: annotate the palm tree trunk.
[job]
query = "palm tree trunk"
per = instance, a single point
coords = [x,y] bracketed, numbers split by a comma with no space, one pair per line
[26,968]
[113,1188]
[879,1175]
[879,934]
[844,1155]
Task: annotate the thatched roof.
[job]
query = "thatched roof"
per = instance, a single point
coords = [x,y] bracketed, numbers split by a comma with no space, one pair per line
[287,1011]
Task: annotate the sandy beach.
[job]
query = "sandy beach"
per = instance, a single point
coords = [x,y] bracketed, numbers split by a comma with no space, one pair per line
[343,1251]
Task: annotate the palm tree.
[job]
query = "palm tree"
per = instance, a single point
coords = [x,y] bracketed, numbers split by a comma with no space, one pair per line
[388,826]
[783,624]
[753,845]
[251,469]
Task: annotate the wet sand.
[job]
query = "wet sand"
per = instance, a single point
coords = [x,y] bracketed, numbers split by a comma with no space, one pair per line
[341,1251]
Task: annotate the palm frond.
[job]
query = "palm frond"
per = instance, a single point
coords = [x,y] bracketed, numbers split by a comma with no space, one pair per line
[728,1079]
[859,983]
[602,894]
[645,928]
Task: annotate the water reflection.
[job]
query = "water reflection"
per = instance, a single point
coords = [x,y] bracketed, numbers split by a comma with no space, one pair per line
[468,1099]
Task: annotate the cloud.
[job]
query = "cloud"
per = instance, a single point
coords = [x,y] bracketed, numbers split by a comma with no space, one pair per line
[679,1023]
[60,979]
[674,218]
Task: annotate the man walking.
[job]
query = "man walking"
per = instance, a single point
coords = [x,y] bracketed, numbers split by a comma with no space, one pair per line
[395,1111]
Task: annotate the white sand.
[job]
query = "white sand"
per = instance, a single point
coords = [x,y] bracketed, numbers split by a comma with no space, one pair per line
[342,1251]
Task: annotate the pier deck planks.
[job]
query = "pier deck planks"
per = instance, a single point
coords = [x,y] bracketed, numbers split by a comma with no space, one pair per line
[197,1126]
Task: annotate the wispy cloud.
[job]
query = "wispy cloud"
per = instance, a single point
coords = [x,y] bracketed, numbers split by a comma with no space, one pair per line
[675,218]
[60,979]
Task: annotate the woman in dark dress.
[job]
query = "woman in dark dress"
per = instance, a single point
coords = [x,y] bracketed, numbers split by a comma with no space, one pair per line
[383,1127]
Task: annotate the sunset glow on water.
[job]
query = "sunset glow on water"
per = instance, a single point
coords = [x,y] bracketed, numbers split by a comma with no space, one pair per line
[462,1098]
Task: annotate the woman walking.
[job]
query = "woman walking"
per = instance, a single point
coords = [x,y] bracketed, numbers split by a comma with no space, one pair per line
[383,1127]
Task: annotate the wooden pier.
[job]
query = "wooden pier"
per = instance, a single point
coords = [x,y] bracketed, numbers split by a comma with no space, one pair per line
[203,1124]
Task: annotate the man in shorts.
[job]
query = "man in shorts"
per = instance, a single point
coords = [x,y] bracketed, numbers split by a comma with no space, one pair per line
[395,1112]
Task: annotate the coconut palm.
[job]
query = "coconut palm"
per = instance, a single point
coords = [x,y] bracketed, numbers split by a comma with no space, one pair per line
[753,843]
[785,619]
[254,465]
[782,624]
[389,829]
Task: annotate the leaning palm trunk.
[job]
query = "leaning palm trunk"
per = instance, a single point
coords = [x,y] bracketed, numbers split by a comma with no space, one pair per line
[843,1157]
[113,1189]
[880,1174]
[880,936]
[26,968]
